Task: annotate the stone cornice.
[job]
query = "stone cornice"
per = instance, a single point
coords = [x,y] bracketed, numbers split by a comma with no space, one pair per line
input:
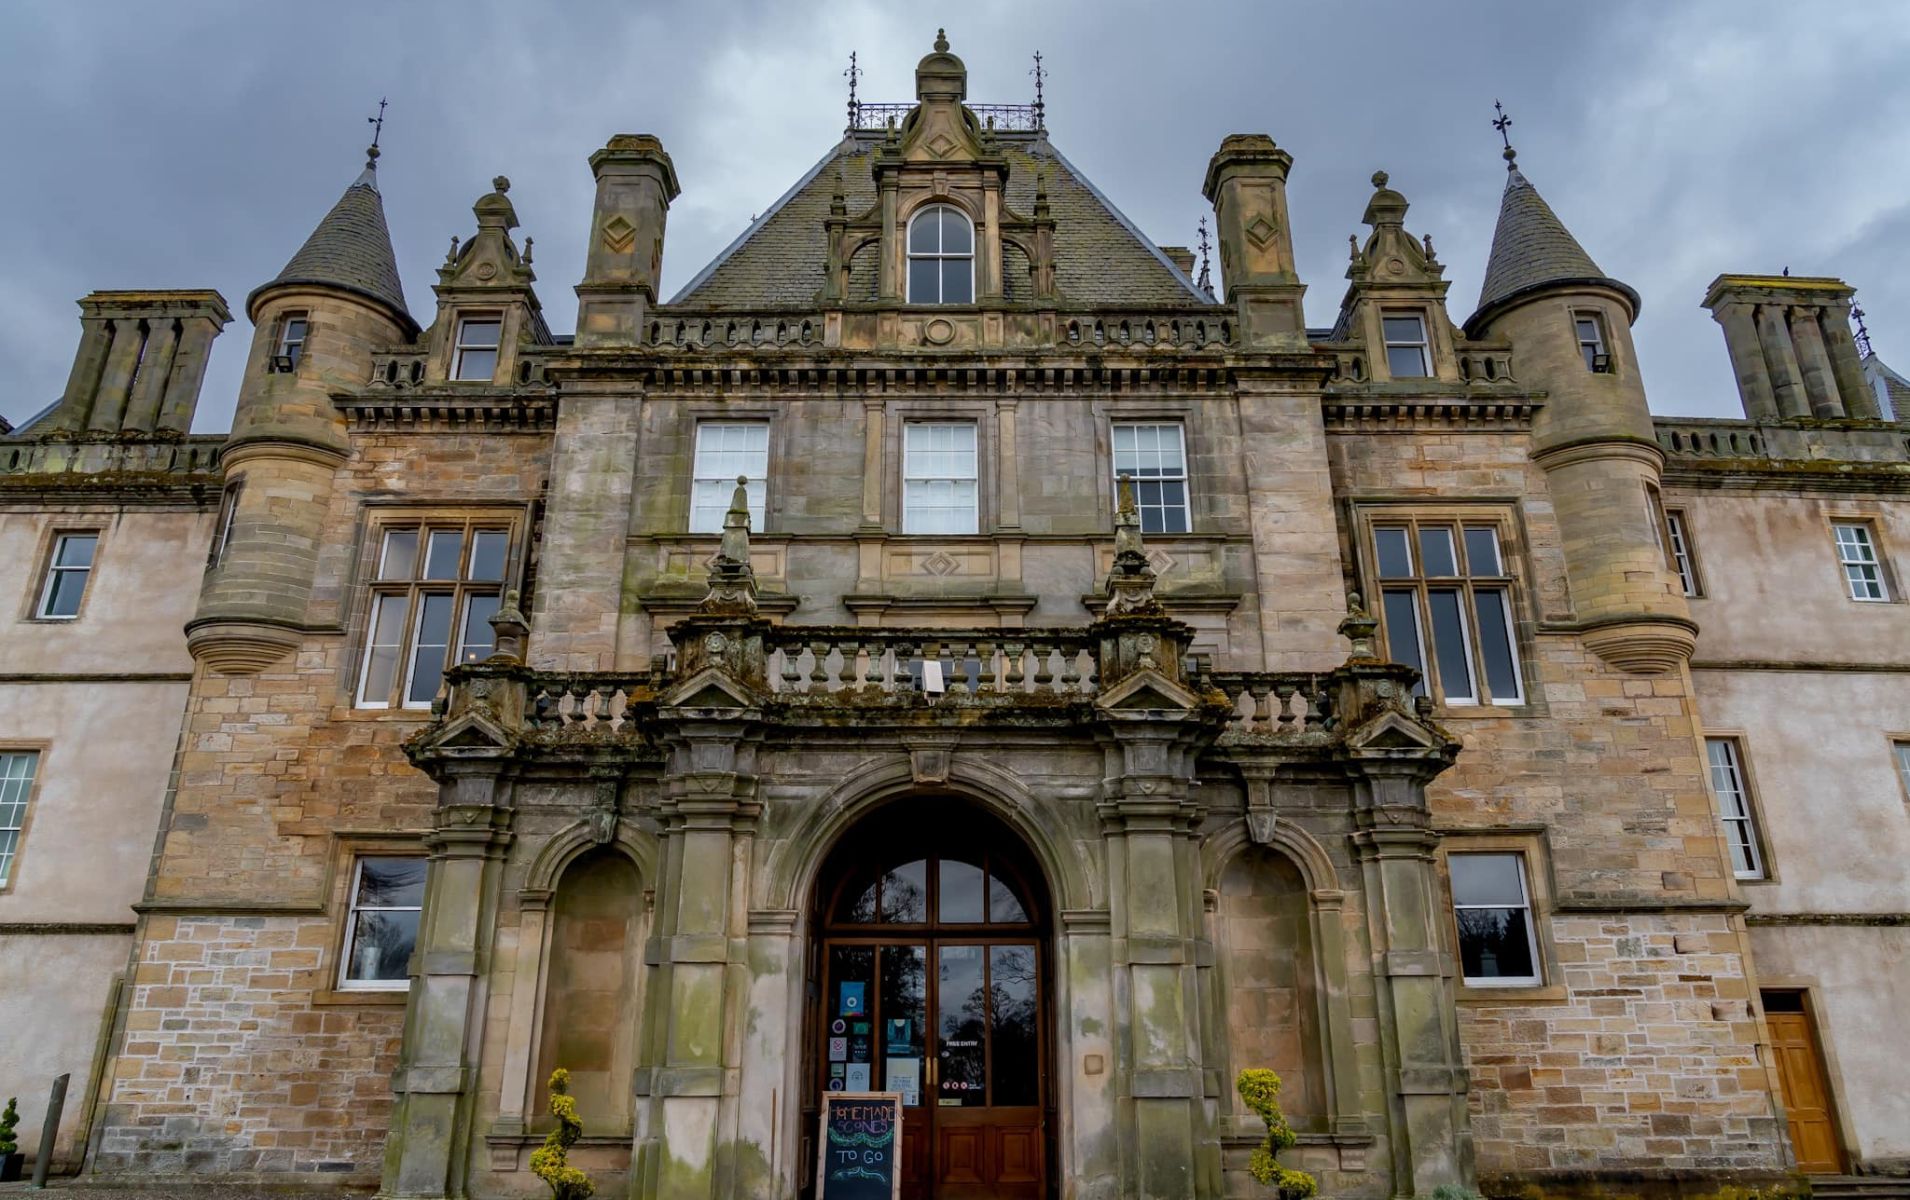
[1380,412]
[1780,475]
[448,411]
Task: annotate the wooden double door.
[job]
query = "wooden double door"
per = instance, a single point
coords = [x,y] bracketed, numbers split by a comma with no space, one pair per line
[931,981]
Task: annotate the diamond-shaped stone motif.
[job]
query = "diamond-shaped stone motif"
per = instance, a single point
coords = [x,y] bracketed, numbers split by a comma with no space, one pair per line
[941,563]
[1160,560]
[941,145]
[1261,230]
[619,234]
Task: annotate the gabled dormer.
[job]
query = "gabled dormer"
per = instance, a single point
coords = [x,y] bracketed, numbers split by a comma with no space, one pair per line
[487,309]
[1395,303]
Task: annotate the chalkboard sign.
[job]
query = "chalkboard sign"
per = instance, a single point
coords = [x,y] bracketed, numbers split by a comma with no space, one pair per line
[859,1155]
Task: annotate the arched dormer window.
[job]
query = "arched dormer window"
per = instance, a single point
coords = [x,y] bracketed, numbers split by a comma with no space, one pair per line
[941,257]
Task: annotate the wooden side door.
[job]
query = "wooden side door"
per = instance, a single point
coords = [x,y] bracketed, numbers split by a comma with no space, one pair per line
[1805,1084]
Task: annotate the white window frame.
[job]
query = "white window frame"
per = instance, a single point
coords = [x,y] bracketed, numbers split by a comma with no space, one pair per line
[1900,748]
[919,483]
[289,346]
[1863,566]
[410,594]
[352,908]
[1138,455]
[1474,586]
[1730,787]
[54,570]
[711,488]
[222,527]
[1423,345]
[1597,343]
[460,346]
[1682,560]
[910,255]
[19,766]
[1537,978]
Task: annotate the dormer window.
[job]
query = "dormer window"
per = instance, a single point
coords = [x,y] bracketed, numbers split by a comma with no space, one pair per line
[1406,356]
[941,257]
[475,355]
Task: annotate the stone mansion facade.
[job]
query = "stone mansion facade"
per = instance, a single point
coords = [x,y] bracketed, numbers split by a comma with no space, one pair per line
[947,649]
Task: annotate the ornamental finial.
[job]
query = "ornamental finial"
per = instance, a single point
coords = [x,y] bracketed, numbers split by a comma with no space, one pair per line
[1503,123]
[941,41]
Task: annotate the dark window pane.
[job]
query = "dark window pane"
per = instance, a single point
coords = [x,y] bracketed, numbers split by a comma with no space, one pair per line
[902,1035]
[1404,329]
[924,281]
[76,550]
[961,901]
[905,893]
[479,333]
[1402,634]
[960,1026]
[478,639]
[430,642]
[391,882]
[862,911]
[1449,644]
[1435,551]
[441,554]
[1487,879]
[400,556]
[477,364]
[1004,907]
[1493,944]
[1495,642]
[381,946]
[1482,551]
[958,281]
[1406,362]
[63,593]
[957,238]
[925,233]
[1011,991]
[487,555]
[848,1026]
[1395,553]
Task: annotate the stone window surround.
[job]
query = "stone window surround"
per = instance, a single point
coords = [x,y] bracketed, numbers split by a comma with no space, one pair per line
[283,342]
[49,541]
[222,524]
[1601,336]
[910,254]
[41,750]
[1532,844]
[1900,760]
[1892,588]
[1504,515]
[692,415]
[376,516]
[1195,452]
[696,449]
[1407,312]
[1753,804]
[456,345]
[984,414]
[345,851]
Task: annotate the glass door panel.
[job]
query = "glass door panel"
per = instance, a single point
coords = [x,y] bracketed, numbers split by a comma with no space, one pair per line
[1014,1049]
[961,1028]
[900,1013]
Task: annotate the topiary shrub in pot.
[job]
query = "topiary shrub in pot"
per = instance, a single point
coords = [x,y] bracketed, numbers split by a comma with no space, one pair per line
[10,1157]
[552,1163]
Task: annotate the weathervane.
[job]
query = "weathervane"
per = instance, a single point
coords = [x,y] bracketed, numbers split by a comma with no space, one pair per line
[1206,281]
[1503,123]
[1863,334]
[377,131]
[1041,74]
[852,74]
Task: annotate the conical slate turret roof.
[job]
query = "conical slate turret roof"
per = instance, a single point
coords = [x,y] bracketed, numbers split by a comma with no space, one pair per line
[1531,248]
[350,250]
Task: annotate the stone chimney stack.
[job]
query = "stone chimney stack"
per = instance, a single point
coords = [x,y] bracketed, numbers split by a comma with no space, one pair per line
[1791,347]
[1181,257]
[1247,185]
[635,184]
[141,360]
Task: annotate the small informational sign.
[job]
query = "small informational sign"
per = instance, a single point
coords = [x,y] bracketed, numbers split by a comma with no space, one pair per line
[850,998]
[857,1077]
[905,1079]
[859,1155]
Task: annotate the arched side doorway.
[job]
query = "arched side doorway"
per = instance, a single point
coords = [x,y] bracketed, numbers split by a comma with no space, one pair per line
[930,977]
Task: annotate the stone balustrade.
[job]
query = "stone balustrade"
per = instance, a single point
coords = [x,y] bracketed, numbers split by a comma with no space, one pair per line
[115,459]
[1272,703]
[1011,665]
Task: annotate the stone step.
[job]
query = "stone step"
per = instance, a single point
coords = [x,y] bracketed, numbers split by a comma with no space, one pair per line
[1860,1187]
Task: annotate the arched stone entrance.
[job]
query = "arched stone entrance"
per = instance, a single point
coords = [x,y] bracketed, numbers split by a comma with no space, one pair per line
[930,975]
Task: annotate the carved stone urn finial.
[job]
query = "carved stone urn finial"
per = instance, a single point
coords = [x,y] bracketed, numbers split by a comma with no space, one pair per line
[1358,627]
[510,629]
[1130,586]
[732,581]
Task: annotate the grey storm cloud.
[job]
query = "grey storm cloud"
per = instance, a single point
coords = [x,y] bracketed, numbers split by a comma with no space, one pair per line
[195,145]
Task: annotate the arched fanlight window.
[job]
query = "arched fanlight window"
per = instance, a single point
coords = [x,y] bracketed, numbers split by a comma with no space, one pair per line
[941,257]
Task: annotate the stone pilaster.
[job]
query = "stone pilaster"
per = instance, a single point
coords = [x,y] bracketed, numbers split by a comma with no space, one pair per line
[1425,1078]
[1813,362]
[1747,360]
[580,572]
[1780,362]
[428,1152]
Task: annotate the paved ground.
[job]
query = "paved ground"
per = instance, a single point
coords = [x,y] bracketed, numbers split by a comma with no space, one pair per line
[89,1189]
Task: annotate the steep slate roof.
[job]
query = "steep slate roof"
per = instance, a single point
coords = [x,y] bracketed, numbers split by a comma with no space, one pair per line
[1531,248]
[1100,257]
[1894,388]
[350,249]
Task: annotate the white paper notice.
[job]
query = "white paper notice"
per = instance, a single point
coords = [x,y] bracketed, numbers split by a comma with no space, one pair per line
[857,1077]
[905,1076]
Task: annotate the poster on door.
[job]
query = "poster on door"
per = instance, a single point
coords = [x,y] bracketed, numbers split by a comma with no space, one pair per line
[904,1078]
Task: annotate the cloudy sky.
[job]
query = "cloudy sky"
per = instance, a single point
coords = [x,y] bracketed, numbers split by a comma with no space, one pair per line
[196,144]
